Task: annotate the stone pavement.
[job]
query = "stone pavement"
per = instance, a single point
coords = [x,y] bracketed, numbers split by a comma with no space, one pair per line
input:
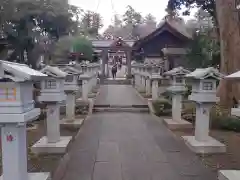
[118,95]
[131,146]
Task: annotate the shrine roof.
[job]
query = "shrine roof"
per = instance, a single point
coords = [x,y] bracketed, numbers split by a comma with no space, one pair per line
[108,43]
[54,72]
[19,72]
[204,73]
[167,25]
[177,71]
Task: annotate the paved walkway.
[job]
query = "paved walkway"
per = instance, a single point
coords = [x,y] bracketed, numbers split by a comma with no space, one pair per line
[118,95]
[131,146]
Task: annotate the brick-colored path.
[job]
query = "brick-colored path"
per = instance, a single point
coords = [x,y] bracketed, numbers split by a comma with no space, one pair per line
[131,146]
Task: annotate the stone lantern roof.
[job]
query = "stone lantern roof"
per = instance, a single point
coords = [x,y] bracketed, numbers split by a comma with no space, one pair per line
[54,72]
[19,72]
[204,73]
[71,70]
[235,75]
[178,71]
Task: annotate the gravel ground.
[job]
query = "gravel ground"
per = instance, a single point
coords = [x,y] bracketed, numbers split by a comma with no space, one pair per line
[42,163]
[229,160]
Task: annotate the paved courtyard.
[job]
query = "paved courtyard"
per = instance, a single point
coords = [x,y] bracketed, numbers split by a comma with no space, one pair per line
[130,146]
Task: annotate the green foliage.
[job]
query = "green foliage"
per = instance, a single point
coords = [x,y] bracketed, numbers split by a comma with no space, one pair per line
[63,46]
[91,23]
[203,52]
[189,111]
[25,23]
[207,5]
[132,17]
[83,46]
[227,123]
[162,107]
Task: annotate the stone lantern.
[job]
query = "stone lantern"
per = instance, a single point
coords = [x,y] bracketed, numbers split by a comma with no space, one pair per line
[16,109]
[155,85]
[231,174]
[204,87]
[177,89]
[235,77]
[52,94]
[71,87]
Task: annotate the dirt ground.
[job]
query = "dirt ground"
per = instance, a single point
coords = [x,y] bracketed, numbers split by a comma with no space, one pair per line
[229,160]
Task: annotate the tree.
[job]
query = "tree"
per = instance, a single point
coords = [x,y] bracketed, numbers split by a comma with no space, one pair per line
[230,47]
[63,46]
[203,52]
[206,5]
[25,23]
[117,21]
[91,23]
[224,15]
[149,19]
[82,48]
[132,17]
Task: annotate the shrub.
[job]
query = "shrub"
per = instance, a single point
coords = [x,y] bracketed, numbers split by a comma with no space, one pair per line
[162,107]
[189,111]
[228,123]
[167,95]
[188,92]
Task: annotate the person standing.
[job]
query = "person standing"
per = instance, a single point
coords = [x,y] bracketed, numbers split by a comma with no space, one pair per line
[114,71]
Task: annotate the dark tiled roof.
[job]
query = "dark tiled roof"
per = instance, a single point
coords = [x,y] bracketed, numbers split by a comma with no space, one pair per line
[164,25]
[108,43]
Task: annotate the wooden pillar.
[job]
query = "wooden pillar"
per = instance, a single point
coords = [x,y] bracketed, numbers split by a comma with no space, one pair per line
[104,60]
[128,58]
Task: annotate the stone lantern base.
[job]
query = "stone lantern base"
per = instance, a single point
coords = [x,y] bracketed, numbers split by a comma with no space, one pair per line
[210,146]
[229,175]
[175,125]
[36,176]
[43,146]
[76,123]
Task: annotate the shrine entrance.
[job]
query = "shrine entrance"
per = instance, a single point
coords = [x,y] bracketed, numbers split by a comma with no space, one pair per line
[117,52]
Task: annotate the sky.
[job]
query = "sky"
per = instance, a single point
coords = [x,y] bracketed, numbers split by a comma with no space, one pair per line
[107,8]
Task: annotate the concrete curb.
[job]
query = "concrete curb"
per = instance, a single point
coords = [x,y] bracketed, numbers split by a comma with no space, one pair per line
[144,99]
[59,173]
[150,106]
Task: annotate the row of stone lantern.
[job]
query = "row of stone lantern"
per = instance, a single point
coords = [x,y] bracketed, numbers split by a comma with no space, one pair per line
[231,174]
[17,109]
[146,79]
[204,87]
[69,80]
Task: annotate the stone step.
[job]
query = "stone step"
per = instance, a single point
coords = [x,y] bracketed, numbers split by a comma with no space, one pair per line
[119,82]
[120,106]
[111,109]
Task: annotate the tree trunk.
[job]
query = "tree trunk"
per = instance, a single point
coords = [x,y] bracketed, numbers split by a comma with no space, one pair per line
[229,26]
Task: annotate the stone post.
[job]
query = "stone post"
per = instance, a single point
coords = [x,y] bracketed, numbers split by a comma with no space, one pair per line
[14,152]
[70,105]
[53,127]
[154,89]
[128,57]
[176,107]
[202,122]
[148,86]
[85,90]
